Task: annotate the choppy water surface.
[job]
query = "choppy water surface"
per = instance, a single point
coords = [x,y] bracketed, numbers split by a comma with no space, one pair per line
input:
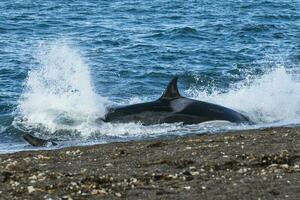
[63,63]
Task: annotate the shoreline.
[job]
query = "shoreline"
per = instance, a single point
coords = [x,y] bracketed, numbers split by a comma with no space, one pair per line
[248,164]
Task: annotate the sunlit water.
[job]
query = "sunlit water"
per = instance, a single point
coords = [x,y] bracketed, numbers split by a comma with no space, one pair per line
[63,64]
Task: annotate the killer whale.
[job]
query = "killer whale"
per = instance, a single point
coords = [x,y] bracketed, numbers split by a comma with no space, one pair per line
[172,107]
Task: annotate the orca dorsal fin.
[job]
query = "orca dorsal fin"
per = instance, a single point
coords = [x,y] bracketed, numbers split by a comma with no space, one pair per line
[171,91]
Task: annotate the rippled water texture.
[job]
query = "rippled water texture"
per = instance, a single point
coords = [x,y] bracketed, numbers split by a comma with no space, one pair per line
[64,62]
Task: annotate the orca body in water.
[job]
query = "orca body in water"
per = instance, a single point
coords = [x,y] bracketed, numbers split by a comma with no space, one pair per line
[171,107]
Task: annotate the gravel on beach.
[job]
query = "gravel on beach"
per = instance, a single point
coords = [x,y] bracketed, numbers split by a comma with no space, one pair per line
[253,164]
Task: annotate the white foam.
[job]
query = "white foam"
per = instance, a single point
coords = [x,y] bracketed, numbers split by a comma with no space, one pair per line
[123,130]
[272,97]
[59,95]
[136,99]
[59,92]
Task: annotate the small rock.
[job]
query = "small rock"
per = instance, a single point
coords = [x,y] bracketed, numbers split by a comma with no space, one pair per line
[74,183]
[273,165]
[12,164]
[133,180]
[284,166]
[67,197]
[14,183]
[33,177]
[118,194]
[108,165]
[195,173]
[94,192]
[170,176]
[187,187]
[27,159]
[242,170]
[77,151]
[43,157]
[30,189]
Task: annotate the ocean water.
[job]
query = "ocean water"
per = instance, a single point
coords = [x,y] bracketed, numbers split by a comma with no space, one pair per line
[64,62]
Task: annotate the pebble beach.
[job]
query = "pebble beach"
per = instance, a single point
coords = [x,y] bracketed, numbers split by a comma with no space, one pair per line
[252,164]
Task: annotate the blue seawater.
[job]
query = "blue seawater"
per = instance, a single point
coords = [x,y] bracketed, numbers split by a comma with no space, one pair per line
[64,62]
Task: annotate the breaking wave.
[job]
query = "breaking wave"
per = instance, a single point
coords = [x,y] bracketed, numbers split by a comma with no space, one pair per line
[59,92]
[273,97]
[59,95]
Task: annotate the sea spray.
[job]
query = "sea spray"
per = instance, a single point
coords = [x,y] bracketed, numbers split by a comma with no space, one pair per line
[59,92]
[270,98]
[59,95]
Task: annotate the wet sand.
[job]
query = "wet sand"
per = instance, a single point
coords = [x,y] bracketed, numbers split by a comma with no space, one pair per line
[256,164]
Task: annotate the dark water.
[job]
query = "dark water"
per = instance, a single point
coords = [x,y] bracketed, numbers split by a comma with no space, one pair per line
[63,62]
